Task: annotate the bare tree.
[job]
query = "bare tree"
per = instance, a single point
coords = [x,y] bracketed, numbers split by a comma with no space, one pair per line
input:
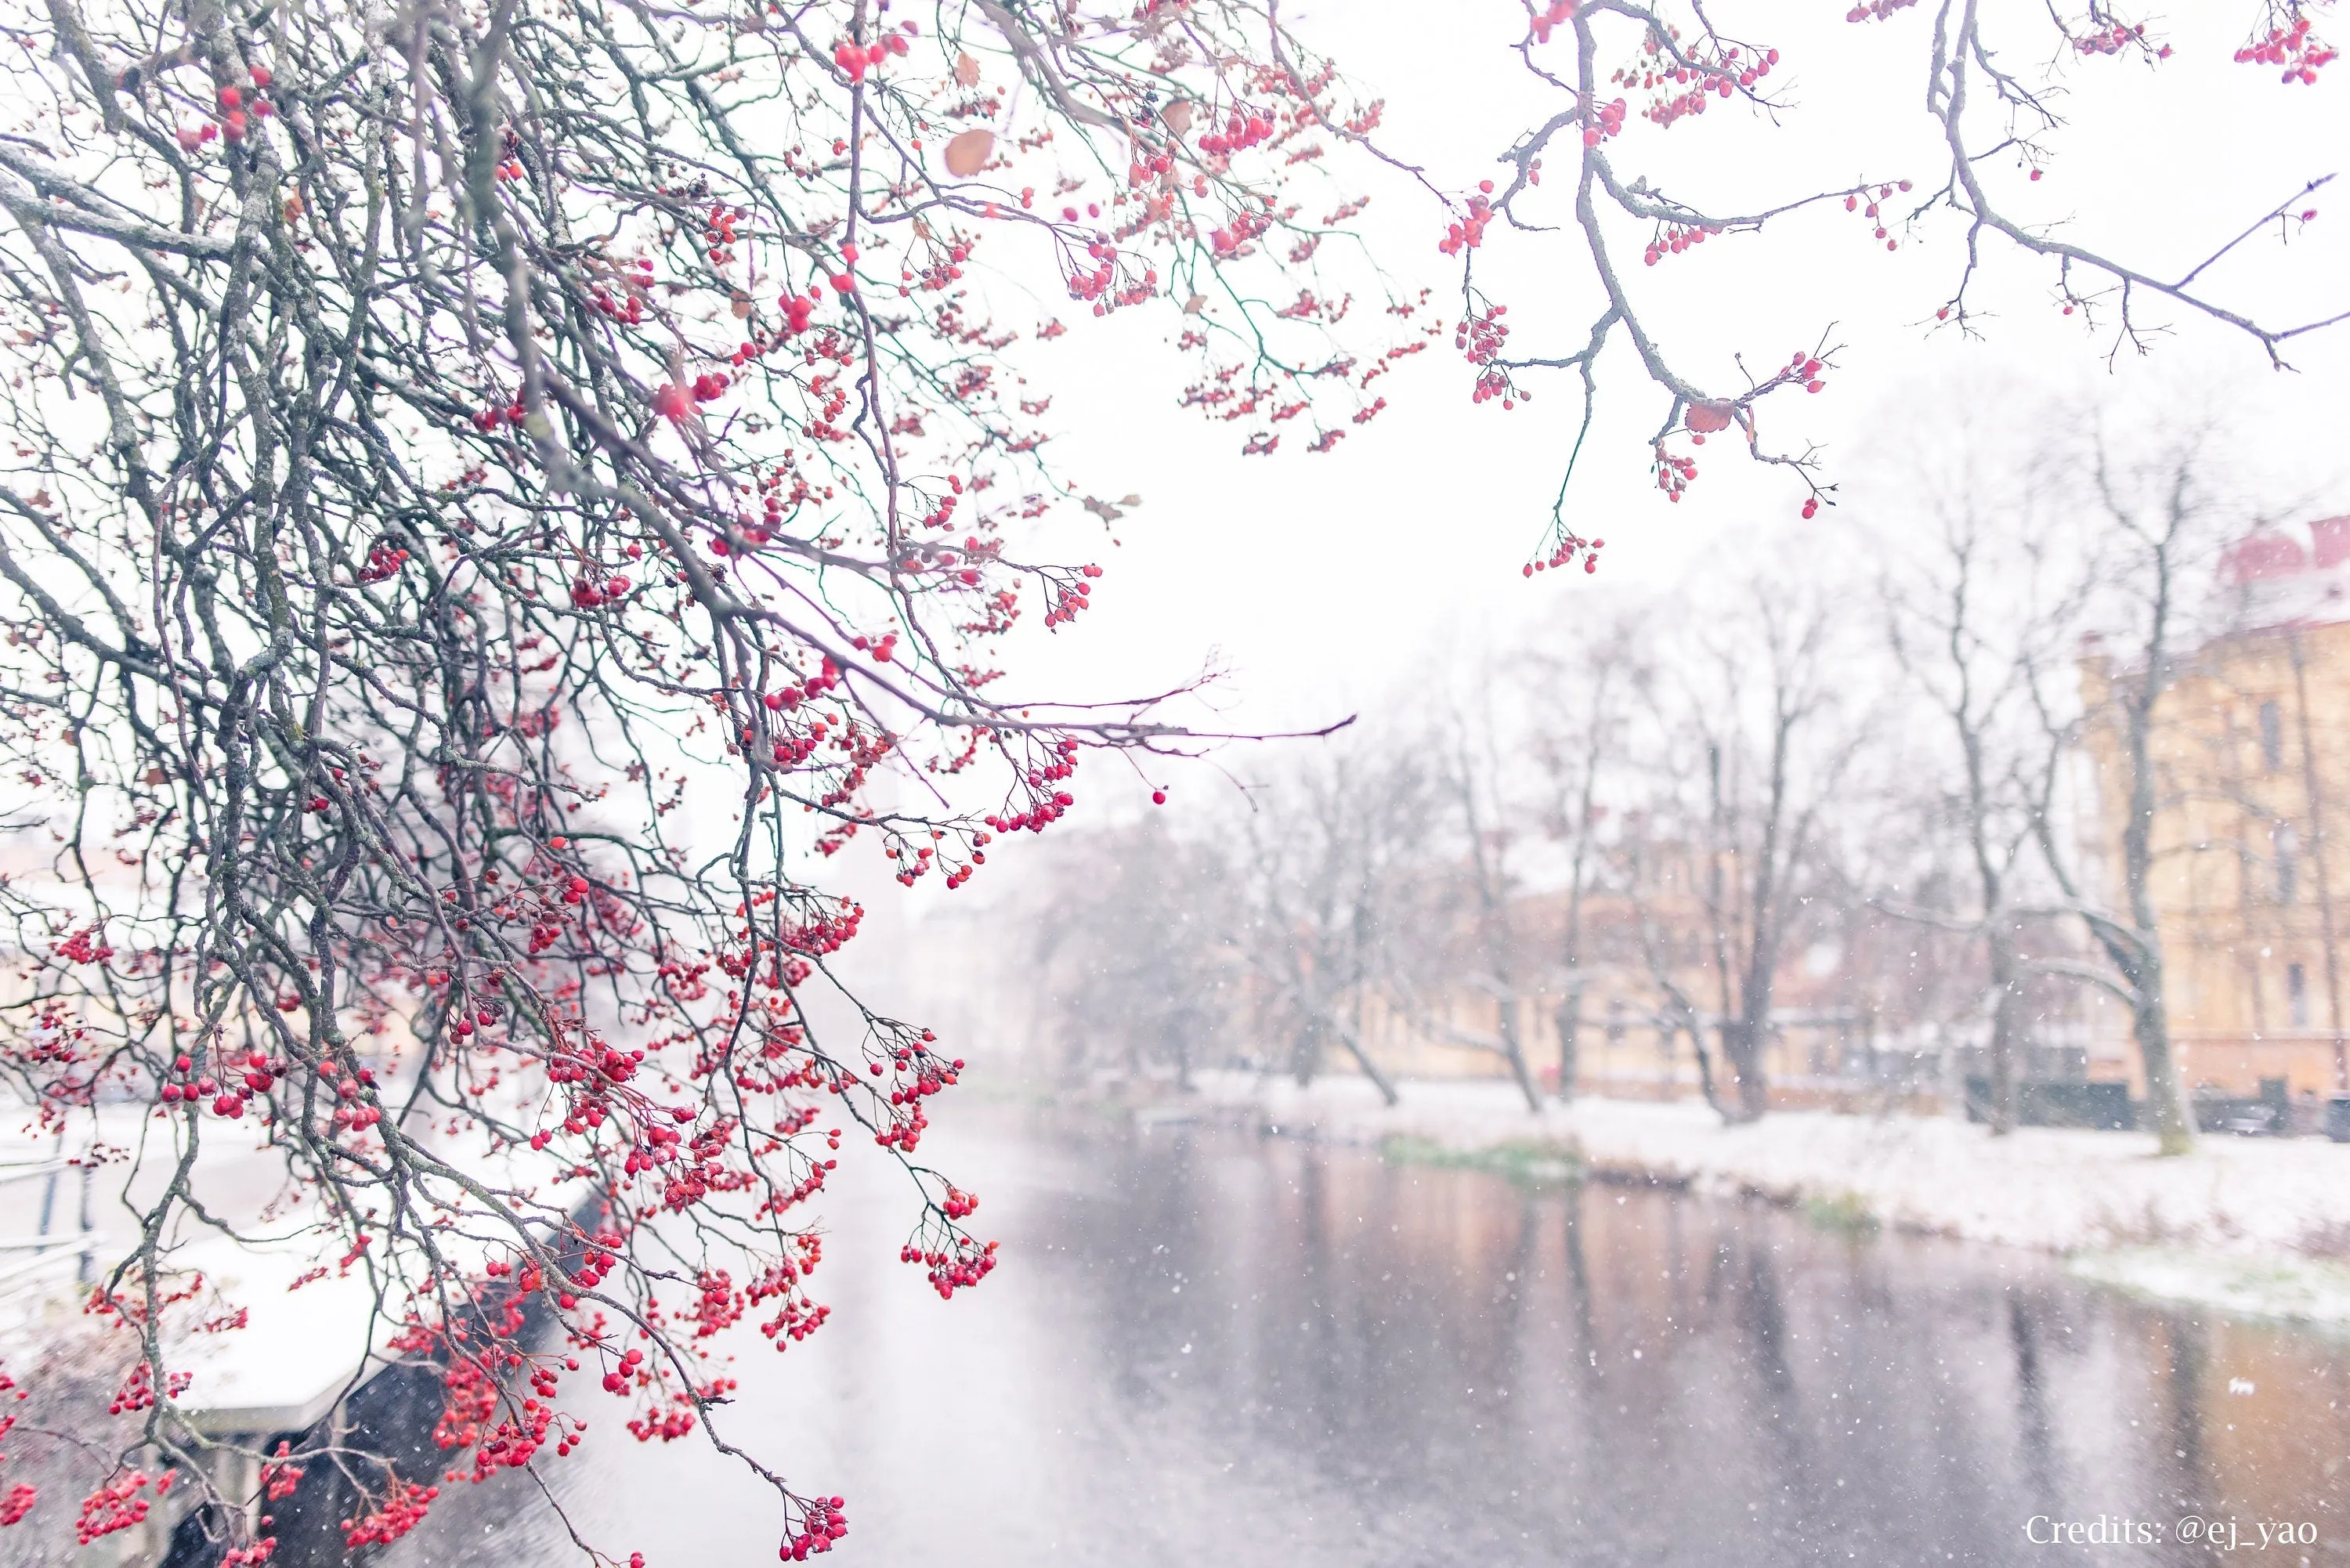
[1646,880]
[1579,703]
[1331,850]
[1762,746]
[1135,948]
[2153,566]
[1477,935]
[1971,609]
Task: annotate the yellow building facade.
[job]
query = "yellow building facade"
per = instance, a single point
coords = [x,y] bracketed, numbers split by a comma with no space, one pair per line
[2251,877]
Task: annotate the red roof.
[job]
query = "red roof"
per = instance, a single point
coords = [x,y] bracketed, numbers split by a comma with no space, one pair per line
[2332,538]
[2263,555]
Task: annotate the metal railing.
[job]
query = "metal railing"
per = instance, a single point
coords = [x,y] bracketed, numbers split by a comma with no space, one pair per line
[47,1249]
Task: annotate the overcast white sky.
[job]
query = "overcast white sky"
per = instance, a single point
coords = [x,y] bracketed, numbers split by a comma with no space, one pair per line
[1319,581]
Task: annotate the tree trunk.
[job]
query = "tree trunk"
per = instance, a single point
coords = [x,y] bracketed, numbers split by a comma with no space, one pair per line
[1569,1023]
[1321,1021]
[1354,1044]
[2149,1011]
[1742,1041]
[1513,1051]
[2004,1002]
[1705,1083]
[2165,1088]
[1306,1051]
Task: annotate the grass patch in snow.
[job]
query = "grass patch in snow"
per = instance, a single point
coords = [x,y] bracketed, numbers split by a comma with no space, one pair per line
[2309,1291]
[1524,1163]
[1843,1213]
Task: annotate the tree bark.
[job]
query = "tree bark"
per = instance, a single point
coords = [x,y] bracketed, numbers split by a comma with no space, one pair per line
[1569,1023]
[2166,1089]
[1705,1079]
[1306,1051]
[1354,1044]
[1513,1051]
[2001,945]
[1743,1041]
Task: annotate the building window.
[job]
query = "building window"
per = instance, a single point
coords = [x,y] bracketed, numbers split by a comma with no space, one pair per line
[2296,995]
[2272,736]
[2287,843]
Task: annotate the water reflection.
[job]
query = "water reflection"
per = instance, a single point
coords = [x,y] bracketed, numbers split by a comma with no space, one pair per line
[1206,1348]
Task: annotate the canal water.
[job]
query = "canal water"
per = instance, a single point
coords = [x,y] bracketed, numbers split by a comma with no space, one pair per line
[1203,1347]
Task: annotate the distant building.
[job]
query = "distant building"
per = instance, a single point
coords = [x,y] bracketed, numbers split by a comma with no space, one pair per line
[2252,829]
[1651,993]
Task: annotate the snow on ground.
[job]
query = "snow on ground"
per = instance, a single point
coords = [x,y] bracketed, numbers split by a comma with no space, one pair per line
[309,1330]
[2314,1291]
[2242,1224]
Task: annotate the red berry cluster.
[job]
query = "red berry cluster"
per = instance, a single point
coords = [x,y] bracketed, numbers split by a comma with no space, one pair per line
[718,233]
[2112,40]
[796,1318]
[137,1392]
[1564,555]
[1610,123]
[623,1377]
[855,59]
[234,112]
[234,106]
[1243,128]
[823,1524]
[1546,22]
[1047,805]
[1238,229]
[587,593]
[599,1260]
[496,414]
[84,946]
[1469,232]
[958,1265]
[1683,88]
[2300,55]
[1481,339]
[1094,283]
[1071,596]
[280,1475]
[1674,472]
[401,1509]
[20,1498]
[253,1073]
[384,560]
[945,266]
[669,1424]
[1871,207]
[114,1506]
[627,307]
[1673,239]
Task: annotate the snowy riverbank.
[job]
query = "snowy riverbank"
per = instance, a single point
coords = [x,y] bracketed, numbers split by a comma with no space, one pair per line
[2248,1225]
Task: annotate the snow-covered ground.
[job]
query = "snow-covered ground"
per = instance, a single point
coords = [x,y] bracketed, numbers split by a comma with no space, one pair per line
[2253,1225]
[310,1329]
